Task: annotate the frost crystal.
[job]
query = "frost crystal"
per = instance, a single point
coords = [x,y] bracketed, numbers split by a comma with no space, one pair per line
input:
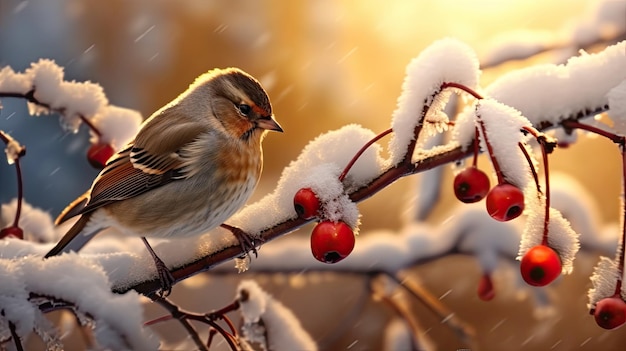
[604,280]
[561,236]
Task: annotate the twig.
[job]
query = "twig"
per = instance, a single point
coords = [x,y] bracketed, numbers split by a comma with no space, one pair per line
[387,177]
[462,330]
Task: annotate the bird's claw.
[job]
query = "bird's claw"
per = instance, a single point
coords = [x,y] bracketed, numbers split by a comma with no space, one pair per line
[246,242]
[166,278]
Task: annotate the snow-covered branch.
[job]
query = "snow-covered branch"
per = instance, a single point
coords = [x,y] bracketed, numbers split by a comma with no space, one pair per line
[496,120]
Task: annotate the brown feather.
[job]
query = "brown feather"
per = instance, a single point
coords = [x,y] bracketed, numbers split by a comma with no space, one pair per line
[69,236]
[73,209]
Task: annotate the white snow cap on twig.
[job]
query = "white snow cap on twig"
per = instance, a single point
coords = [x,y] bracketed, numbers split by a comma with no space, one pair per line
[446,60]
[71,99]
[555,92]
[82,283]
[269,322]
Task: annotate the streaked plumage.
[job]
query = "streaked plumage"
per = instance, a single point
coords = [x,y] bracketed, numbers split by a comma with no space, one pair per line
[192,165]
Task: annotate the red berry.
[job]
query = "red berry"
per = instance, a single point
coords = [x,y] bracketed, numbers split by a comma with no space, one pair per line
[471,185]
[13,231]
[306,203]
[485,288]
[610,312]
[505,202]
[99,154]
[331,242]
[540,266]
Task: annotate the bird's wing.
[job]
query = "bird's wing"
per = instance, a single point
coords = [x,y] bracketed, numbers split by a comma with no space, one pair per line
[145,164]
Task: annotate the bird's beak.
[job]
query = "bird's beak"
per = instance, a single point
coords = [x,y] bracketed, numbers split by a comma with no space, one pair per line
[269,123]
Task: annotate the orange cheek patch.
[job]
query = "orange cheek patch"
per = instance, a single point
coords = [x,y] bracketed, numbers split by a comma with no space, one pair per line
[238,126]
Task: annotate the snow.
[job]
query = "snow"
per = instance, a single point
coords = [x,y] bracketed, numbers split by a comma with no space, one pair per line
[13,150]
[14,82]
[72,100]
[269,322]
[604,281]
[469,231]
[117,125]
[318,167]
[37,224]
[503,126]
[617,101]
[77,280]
[561,236]
[579,86]
[518,44]
[446,60]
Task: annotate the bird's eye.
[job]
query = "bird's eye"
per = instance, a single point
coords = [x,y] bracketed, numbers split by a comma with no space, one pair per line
[244,109]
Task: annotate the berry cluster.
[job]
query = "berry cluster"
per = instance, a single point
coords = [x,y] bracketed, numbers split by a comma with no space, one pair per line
[505,201]
[541,264]
[331,241]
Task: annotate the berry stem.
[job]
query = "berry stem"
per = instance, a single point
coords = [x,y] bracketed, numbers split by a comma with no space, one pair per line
[476,146]
[462,87]
[494,161]
[546,174]
[20,193]
[620,265]
[90,125]
[361,151]
[532,167]
[621,141]
[7,139]
[545,147]
[30,97]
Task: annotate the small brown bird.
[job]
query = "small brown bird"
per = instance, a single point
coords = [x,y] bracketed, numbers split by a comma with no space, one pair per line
[192,165]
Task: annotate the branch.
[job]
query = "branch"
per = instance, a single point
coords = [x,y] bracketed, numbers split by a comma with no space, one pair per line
[386,178]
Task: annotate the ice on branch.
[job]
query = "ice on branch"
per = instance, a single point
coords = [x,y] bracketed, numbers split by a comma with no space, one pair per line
[561,236]
[617,101]
[268,322]
[578,87]
[72,100]
[604,281]
[322,159]
[444,61]
[37,224]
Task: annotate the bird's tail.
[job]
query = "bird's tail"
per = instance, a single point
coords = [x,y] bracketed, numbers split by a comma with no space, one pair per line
[74,239]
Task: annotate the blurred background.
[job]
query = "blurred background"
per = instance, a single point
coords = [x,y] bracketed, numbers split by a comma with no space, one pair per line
[325,64]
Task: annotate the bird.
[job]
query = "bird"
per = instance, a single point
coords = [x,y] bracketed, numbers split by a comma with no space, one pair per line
[192,165]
